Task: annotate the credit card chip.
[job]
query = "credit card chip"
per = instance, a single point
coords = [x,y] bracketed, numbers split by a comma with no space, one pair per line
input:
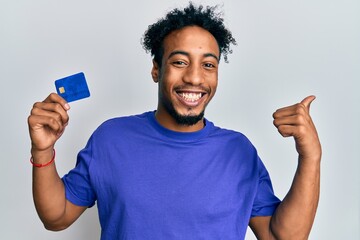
[61,90]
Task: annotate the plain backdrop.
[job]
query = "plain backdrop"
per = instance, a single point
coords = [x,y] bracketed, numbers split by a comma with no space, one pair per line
[286,51]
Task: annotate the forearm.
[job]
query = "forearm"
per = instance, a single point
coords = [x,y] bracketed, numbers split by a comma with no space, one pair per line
[47,123]
[294,217]
[48,192]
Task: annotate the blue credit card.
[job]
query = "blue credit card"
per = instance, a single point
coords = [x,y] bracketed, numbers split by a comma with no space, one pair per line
[73,87]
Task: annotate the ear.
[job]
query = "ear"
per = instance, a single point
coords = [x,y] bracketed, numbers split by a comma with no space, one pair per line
[155,71]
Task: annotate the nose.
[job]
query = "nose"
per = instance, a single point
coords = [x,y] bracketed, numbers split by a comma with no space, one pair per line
[193,75]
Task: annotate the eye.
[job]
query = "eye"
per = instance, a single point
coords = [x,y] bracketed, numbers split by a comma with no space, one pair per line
[209,65]
[179,63]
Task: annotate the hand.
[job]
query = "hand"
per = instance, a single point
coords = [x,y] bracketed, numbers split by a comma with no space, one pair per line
[47,122]
[295,121]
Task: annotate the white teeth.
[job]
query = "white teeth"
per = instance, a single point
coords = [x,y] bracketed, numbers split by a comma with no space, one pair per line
[192,97]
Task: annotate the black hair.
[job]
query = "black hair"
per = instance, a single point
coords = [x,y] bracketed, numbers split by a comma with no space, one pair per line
[206,18]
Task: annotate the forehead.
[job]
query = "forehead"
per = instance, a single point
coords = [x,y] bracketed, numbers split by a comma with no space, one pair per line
[192,39]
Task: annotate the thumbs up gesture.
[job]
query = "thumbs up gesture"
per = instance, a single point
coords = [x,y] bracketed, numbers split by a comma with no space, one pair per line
[295,121]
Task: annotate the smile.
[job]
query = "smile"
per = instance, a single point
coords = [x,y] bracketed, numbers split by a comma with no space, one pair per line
[190,99]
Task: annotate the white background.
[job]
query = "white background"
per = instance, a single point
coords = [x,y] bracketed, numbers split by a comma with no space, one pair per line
[286,50]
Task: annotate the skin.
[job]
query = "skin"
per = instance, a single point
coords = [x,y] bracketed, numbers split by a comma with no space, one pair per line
[47,122]
[294,217]
[189,67]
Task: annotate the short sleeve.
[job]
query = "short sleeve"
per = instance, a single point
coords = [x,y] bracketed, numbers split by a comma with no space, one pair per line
[265,202]
[78,188]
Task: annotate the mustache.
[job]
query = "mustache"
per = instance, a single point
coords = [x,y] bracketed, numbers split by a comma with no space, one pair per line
[189,87]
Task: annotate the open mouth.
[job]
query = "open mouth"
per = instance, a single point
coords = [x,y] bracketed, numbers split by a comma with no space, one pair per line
[190,98]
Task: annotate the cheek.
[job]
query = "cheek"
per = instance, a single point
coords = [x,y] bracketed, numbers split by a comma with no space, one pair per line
[165,88]
[213,82]
[167,80]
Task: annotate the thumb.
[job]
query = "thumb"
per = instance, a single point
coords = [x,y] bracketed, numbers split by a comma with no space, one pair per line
[307,101]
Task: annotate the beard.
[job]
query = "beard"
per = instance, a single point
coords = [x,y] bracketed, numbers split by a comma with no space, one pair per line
[186,120]
[189,119]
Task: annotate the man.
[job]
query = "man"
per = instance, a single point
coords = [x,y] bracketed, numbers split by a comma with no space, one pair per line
[170,173]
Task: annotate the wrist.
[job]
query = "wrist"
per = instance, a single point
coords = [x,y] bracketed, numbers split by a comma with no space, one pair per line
[42,158]
[309,165]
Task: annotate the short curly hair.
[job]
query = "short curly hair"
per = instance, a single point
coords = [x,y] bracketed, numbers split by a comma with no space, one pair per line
[206,18]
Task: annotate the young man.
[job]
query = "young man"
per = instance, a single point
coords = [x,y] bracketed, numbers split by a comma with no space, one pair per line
[170,173]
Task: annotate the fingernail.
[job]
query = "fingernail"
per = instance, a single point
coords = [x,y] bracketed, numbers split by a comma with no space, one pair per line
[67,106]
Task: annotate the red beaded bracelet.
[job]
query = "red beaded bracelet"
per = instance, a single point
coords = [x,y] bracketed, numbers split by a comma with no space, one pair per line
[42,165]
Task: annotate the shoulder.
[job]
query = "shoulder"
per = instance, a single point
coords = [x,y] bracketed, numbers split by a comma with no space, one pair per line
[121,125]
[230,135]
[236,145]
[124,120]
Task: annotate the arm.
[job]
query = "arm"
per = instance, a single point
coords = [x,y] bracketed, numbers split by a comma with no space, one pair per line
[47,122]
[294,217]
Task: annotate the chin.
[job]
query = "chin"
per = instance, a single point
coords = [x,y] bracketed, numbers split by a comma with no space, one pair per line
[189,119]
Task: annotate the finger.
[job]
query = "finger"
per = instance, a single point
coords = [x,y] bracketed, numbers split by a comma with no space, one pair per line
[307,101]
[286,108]
[43,112]
[286,130]
[37,122]
[298,132]
[55,110]
[55,98]
[294,120]
[43,132]
[295,109]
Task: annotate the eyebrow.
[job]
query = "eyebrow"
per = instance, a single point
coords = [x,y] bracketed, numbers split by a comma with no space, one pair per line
[187,54]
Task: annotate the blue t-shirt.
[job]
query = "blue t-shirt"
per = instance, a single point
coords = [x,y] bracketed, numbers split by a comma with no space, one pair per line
[153,183]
